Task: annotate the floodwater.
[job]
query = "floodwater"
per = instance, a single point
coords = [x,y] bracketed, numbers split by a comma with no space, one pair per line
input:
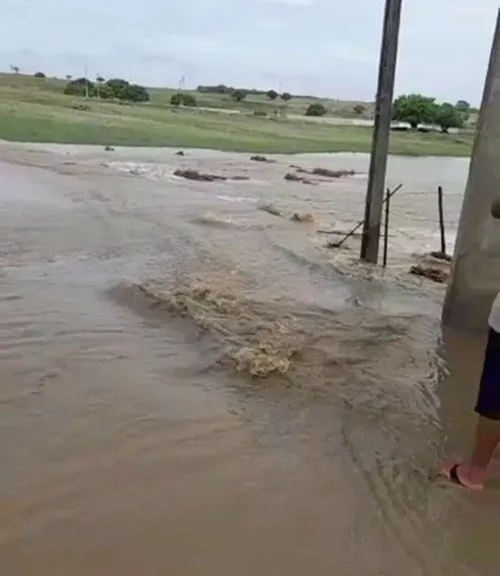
[194,386]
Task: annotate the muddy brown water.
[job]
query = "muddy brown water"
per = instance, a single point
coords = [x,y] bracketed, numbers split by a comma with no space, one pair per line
[134,308]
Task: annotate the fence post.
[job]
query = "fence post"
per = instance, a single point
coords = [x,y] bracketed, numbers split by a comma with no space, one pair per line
[441,220]
[386,226]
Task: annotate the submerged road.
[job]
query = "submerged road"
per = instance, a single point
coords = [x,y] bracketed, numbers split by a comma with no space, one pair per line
[127,446]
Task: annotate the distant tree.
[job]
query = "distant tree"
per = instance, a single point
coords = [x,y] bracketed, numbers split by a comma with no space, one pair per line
[448,116]
[39,75]
[14,69]
[415,109]
[223,89]
[238,95]
[105,92]
[316,109]
[68,76]
[286,96]
[272,94]
[134,93]
[117,85]
[219,89]
[80,87]
[180,98]
[463,106]
[359,109]
[122,90]
[100,79]
[188,100]
[176,99]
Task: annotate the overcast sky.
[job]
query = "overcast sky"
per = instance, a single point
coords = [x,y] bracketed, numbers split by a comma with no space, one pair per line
[323,47]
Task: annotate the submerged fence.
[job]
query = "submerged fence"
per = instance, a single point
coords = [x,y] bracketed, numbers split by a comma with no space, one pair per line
[440,252]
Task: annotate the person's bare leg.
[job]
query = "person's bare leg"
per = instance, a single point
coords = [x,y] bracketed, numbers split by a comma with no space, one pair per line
[473,472]
[494,467]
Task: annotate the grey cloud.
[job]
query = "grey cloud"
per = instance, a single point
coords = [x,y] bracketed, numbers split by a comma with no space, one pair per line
[329,47]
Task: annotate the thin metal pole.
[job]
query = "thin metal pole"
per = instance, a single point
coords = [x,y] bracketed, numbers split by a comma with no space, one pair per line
[441,220]
[386,225]
[359,224]
[381,128]
[86,84]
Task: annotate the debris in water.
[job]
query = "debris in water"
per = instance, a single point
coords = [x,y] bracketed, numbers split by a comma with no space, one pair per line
[258,158]
[295,217]
[198,176]
[109,149]
[302,217]
[255,344]
[239,178]
[331,173]
[339,233]
[264,337]
[180,153]
[338,244]
[260,363]
[434,274]
[270,209]
[441,256]
[82,107]
[291,177]
[325,172]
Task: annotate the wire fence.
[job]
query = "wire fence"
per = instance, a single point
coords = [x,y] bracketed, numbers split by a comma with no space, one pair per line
[390,213]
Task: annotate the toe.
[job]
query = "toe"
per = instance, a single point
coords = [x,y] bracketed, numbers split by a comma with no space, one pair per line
[446,470]
[457,474]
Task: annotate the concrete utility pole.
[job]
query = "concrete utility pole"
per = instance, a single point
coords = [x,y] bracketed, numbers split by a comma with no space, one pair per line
[475,274]
[381,130]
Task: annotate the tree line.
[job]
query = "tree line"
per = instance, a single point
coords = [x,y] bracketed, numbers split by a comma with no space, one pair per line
[413,109]
[240,94]
[115,88]
[417,110]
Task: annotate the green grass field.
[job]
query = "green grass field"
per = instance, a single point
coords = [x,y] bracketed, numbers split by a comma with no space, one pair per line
[36,110]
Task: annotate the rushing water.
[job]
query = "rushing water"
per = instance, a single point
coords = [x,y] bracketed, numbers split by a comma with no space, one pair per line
[135,307]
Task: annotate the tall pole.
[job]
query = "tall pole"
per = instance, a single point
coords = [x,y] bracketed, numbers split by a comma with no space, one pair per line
[475,273]
[441,220]
[381,128]
[86,83]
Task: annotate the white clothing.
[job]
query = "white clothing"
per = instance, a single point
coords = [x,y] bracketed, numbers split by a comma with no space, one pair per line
[494,319]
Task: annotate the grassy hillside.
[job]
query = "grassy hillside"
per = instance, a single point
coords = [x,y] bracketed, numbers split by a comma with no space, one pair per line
[36,110]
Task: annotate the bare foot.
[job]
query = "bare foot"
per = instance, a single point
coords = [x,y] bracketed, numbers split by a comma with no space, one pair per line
[463,475]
